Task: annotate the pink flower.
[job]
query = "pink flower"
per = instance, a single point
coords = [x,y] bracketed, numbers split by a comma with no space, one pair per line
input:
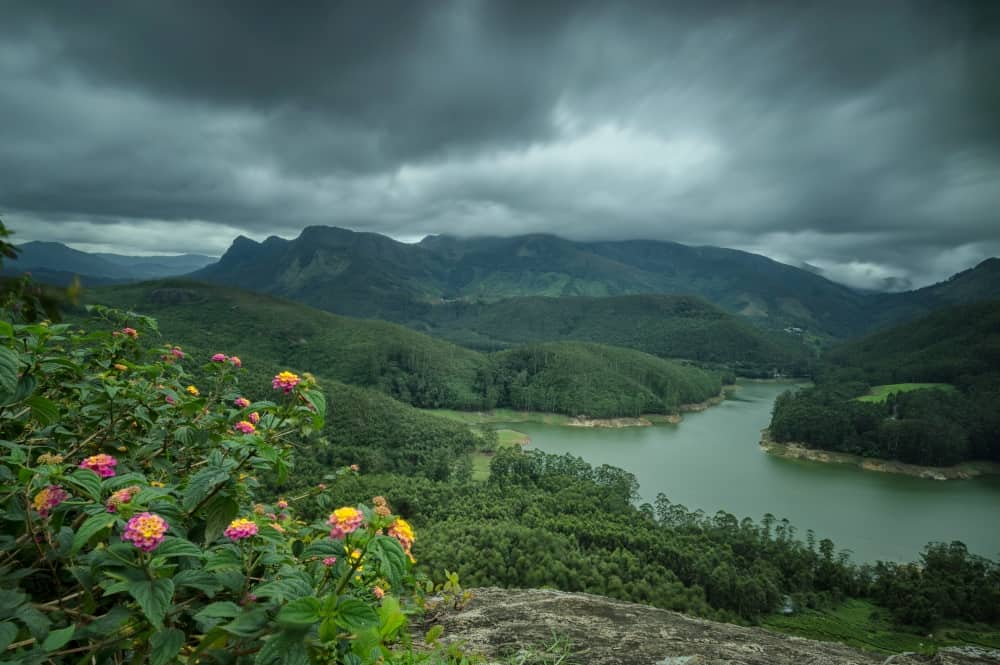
[146,531]
[249,598]
[378,591]
[240,529]
[235,361]
[285,381]
[245,426]
[355,468]
[49,498]
[171,400]
[282,504]
[254,417]
[177,352]
[329,561]
[131,332]
[103,465]
[219,358]
[121,496]
[344,521]
[241,402]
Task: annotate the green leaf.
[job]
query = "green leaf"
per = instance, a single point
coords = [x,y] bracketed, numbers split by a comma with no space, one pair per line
[355,615]
[323,547]
[57,639]
[390,617]
[301,612]
[154,598]
[224,609]
[87,481]
[284,648]
[221,511]
[433,634]
[43,410]
[6,330]
[37,623]
[200,485]
[175,547]
[8,632]
[391,558]
[166,644]
[90,528]
[296,585]
[247,624]
[8,373]
[198,579]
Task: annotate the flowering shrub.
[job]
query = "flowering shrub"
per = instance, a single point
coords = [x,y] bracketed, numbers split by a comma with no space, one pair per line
[132,529]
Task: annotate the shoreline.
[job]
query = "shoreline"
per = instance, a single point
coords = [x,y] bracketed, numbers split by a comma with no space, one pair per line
[510,416]
[797,451]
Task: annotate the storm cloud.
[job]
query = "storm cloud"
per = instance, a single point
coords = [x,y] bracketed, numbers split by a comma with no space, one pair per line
[862,139]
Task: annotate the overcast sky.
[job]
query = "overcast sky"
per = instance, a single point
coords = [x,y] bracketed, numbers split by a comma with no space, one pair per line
[862,138]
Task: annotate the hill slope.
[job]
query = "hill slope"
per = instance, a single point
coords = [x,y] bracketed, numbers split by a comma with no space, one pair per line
[410,366]
[55,263]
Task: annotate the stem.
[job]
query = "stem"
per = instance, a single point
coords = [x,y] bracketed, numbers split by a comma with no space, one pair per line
[353,569]
[219,487]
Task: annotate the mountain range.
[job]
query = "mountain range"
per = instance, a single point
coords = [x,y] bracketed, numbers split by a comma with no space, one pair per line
[467,289]
[55,263]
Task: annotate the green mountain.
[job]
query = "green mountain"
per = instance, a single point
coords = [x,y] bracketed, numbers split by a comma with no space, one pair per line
[661,325]
[55,263]
[590,379]
[372,276]
[365,274]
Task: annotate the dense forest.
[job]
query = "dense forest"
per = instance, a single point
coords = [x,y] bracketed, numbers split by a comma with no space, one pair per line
[955,418]
[565,377]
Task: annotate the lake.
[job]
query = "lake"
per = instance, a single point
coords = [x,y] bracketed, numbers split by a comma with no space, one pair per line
[712,461]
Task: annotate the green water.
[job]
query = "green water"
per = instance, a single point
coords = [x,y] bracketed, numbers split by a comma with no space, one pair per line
[712,461]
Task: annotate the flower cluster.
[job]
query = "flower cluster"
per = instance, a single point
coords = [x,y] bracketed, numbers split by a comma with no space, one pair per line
[381,506]
[177,353]
[403,532]
[121,496]
[192,390]
[103,465]
[285,381]
[219,358]
[240,529]
[146,531]
[245,426]
[344,521]
[254,417]
[130,332]
[241,402]
[232,360]
[49,498]
[49,458]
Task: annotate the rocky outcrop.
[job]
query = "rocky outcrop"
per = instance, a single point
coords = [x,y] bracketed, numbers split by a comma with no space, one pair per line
[498,623]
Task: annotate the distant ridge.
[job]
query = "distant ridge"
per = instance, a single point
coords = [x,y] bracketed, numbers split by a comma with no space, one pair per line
[373,276]
[55,263]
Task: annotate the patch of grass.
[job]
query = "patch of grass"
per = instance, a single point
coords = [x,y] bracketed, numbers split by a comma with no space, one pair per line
[481,459]
[880,393]
[864,625]
[502,416]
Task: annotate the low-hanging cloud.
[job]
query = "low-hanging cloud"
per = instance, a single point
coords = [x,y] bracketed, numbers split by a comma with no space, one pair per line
[860,139]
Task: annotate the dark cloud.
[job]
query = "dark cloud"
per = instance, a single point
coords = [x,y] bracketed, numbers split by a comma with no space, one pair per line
[860,138]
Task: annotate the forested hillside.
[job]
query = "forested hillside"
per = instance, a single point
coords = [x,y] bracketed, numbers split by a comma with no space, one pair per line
[954,417]
[567,377]
[661,325]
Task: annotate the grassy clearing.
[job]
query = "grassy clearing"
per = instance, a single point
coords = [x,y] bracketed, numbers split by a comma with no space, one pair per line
[502,416]
[861,624]
[880,393]
[481,459]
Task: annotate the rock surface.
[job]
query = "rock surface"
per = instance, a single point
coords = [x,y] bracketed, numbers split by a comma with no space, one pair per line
[499,623]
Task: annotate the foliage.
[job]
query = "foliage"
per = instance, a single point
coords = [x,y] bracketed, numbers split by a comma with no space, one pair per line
[567,377]
[131,528]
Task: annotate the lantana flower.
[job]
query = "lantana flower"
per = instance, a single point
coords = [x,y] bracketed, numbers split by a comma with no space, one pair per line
[130,332]
[401,530]
[240,529]
[192,390]
[344,521]
[50,497]
[120,497]
[103,465]
[219,358]
[241,402]
[285,381]
[254,417]
[146,531]
[245,426]
[235,361]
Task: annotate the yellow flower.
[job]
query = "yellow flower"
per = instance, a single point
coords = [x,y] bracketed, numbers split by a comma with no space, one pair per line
[192,390]
[156,483]
[120,367]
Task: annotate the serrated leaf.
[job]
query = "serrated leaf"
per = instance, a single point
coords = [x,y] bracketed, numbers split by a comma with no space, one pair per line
[223,609]
[166,644]
[57,639]
[43,410]
[200,485]
[86,481]
[323,547]
[294,586]
[198,579]
[176,547]
[154,598]
[433,634]
[300,612]
[390,617]
[285,648]
[37,623]
[247,624]
[355,615]
[90,528]
[8,373]
[221,511]
[8,632]
[391,558]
